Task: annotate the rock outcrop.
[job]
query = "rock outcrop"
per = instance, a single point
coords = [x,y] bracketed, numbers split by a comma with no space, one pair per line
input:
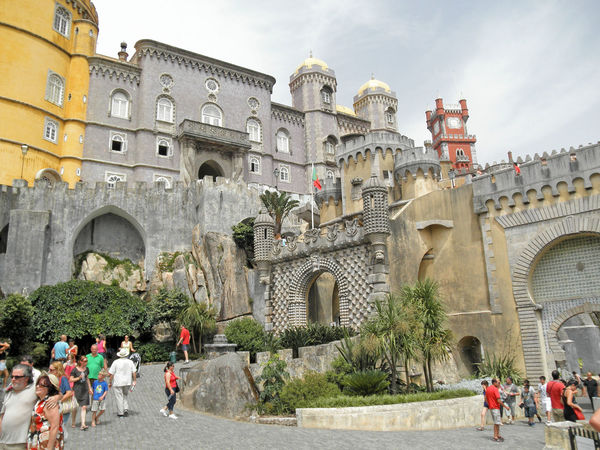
[222,386]
[129,276]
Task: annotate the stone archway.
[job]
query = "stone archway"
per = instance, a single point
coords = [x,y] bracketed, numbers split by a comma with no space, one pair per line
[211,169]
[530,312]
[552,336]
[303,279]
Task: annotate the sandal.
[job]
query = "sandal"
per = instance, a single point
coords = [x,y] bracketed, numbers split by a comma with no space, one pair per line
[480,428]
[83,428]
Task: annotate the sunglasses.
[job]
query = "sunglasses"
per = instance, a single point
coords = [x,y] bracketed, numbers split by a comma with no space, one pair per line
[43,385]
[18,376]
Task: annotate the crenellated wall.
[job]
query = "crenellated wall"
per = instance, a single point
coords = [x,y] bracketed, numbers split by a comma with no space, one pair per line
[44,221]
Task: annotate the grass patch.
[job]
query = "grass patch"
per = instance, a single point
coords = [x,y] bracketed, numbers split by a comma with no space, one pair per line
[344,401]
[167,261]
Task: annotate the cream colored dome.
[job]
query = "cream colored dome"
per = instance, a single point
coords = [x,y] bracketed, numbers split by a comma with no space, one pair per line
[310,61]
[345,110]
[373,84]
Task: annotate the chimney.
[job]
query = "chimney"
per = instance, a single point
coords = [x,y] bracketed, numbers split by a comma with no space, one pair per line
[465,110]
[510,158]
[439,106]
[123,53]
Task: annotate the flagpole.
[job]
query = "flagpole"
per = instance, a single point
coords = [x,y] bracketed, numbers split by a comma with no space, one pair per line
[312,199]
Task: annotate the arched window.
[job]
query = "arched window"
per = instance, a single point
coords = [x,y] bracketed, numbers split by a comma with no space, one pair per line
[163,147]
[160,179]
[62,21]
[164,110]
[253,129]
[329,148]
[50,130]
[326,94]
[284,173]
[283,141]
[118,142]
[211,114]
[390,116]
[55,89]
[254,164]
[119,105]
[330,174]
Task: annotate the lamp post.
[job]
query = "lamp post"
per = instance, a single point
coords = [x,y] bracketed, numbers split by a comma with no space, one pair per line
[24,149]
[276,173]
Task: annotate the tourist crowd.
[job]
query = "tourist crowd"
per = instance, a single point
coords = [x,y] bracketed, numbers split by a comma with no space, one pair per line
[38,406]
[555,399]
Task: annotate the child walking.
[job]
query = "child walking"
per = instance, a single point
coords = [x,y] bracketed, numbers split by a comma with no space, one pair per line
[100,389]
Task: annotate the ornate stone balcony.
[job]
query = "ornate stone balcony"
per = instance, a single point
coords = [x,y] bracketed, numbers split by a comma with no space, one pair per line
[215,137]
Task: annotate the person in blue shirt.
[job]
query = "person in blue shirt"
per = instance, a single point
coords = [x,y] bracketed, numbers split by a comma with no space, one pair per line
[59,351]
[100,389]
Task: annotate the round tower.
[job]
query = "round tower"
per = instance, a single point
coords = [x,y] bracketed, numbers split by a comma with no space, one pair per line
[264,227]
[376,102]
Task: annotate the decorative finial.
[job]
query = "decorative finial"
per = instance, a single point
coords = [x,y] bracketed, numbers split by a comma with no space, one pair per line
[310,54]
[372,76]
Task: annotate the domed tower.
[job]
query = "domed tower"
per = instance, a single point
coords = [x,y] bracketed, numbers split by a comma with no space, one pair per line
[377,103]
[313,87]
[44,89]
[264,227]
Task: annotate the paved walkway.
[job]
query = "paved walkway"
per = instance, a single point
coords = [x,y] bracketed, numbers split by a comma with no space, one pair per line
[146,428]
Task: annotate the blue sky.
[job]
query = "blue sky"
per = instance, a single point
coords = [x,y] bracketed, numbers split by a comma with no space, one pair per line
[530,70]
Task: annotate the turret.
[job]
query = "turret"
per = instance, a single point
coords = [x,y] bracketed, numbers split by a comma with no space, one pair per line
[376,102]
[264,227]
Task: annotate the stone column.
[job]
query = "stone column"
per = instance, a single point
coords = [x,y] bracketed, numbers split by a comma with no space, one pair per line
[187,161]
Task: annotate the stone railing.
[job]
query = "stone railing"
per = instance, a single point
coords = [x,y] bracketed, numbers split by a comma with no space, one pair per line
[204,131]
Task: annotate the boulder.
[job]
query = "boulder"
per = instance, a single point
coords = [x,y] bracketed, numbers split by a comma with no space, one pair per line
[94,268]
[222,386]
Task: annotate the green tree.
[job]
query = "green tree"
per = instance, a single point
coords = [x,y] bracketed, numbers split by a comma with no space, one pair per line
[200,319]
[397,328]
[248,334]
[166,307]
[435,339]
[278,206]
[243,236]
[83,308]
[16,316]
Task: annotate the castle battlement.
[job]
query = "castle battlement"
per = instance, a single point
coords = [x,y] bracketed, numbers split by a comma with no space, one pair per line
[537,172]
[409,161]
[332,189]
[372,142]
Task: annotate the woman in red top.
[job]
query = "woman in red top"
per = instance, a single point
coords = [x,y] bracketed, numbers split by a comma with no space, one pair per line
[171,390]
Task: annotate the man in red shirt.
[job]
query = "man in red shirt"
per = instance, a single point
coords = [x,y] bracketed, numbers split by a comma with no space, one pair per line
[184,340]
[554,391]
[492,396]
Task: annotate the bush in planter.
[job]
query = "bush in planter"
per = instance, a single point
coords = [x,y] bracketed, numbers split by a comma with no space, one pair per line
[366,382]
[300,391]
[248,334]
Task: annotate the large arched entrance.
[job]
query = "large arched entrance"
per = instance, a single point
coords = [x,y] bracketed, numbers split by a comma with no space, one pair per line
[323,300]
[210,168]
[112,232]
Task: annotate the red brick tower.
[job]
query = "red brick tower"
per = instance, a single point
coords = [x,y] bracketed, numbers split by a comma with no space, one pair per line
[448,128]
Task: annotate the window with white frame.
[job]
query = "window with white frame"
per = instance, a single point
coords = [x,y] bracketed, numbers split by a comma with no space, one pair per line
[164,146]
[253,129]
[62,20]
[164,110]
[118,142]
[283,141]
[119,105]
[284,173]
[50,130]
[329,148]
[326,96]
[113,178]
[163,179]
[254,164]
[55,88]
[212,115]
[330,174]
[389,116]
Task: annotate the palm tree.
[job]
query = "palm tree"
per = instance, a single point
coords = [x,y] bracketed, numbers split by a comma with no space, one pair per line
[201,319]
[278,206]
[435,338]
[397,327]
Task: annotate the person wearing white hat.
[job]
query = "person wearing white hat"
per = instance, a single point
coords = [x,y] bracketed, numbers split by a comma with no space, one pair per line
[122,379]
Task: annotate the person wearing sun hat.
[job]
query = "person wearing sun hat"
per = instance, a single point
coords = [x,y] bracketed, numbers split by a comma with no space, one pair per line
[122,380]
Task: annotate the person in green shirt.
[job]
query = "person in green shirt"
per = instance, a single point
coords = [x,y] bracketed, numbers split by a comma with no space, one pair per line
[95,363]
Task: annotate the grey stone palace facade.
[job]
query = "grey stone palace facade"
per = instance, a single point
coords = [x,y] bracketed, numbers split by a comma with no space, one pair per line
[167,114]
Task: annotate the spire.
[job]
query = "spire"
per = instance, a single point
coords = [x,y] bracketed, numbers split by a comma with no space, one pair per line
[310,54]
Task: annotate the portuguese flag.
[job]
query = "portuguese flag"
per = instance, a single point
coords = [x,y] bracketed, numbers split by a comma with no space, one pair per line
[316,182]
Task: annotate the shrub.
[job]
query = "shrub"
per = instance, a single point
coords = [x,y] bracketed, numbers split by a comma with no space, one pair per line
[340,369]
[360,355]
[312,334]
[16,316]
[344,401]
[248,334]
[273,378]
[155,351]
[83,308]
[243,235]
[166,307]
[500,366]
[366,382]
[299,392]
